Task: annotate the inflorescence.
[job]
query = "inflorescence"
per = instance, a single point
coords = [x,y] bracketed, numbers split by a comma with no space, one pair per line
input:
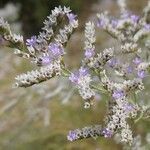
[121,84]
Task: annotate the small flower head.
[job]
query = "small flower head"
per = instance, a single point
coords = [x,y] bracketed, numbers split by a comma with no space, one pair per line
[147,27]
[100,23]
[107,133]
[72,136]
[129,69]
[118,94]
[114,23]
[137,60]
[128,107]
[112,62]
[45,60]
[55,50]
[82,80]
[71,17]
[32,41]
[83,71]
[74,77]
[89,53]
[78,74]
[134,18]
[141,74]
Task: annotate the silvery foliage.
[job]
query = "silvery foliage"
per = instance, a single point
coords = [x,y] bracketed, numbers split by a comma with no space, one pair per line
[119,73]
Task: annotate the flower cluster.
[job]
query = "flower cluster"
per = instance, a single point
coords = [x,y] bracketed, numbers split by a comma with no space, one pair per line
[15,41]
[117,72]
[101,59]
[116,121]
[129,29]
[86,132]
[37,76]
[45,50]
[89,40]
[49,44]
[82,80]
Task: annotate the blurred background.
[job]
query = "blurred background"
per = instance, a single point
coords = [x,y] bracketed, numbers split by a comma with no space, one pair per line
[39,117]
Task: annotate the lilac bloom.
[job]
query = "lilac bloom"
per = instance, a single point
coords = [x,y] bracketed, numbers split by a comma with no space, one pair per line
[83,71]
[129,69]
[107,133]
[71,17]
[134,18]
[32,41]
[118,94]
[114,23]
[55,49]
[141,74]
[147,27]
[89,53]
[74,77]
[112,62]
[100,23]
[72,136]
[128,107]
[137,61]
[45,60]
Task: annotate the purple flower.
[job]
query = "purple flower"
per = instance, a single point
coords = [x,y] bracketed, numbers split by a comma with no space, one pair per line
[137,61]
[71,17]
[114,23]
[74,77]
[100,23]
[112,62]
[107,133]
[31,42]
[56,50]
[83,71]
[147,27]
[72,136]
[118,94]
[89,53]
[45,60]
[129,69]
[141,74]
[134,18]
[128,107]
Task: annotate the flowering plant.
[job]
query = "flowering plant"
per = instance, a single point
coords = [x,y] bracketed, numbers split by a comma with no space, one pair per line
[119,72]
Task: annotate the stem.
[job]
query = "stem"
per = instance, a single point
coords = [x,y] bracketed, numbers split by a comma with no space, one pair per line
[139,118]
[65,71]
[99,89]
[135,98]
